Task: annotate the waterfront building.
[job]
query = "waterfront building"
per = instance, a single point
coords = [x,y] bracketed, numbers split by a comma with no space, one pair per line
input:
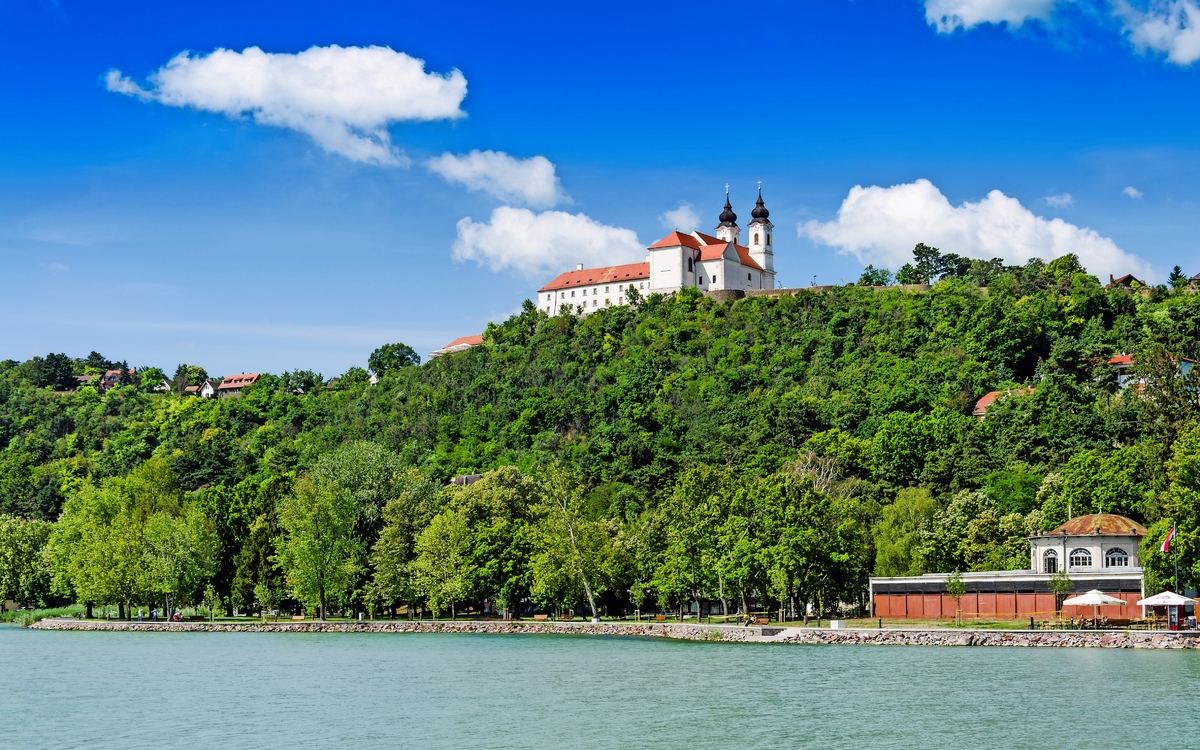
[1098,551]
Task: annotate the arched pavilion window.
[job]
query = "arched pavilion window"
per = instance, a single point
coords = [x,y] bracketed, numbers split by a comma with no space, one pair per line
[1116,558]
[1081,558]
[1050,561]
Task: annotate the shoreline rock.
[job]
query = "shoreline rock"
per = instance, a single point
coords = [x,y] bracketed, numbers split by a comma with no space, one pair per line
[678,631]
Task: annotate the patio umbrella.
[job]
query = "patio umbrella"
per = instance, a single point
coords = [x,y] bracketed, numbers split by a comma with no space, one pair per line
[1096,598]
[1166,599]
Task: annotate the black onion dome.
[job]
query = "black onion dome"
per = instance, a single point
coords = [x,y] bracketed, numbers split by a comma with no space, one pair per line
[760,209]
[728,216]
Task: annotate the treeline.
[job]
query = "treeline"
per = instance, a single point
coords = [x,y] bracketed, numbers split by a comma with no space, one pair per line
[778,450]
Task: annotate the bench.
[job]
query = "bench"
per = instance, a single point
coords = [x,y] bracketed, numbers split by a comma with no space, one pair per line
[762,620]
[541,617]
[660,618]
[297,617]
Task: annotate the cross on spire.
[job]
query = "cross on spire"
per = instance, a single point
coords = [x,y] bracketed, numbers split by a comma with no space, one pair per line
[760,186]
[727,188]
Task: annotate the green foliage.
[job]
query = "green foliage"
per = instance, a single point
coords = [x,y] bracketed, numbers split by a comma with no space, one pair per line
[319,553]
[392,357]
[442,570]
[766,450]
[872,276]
[900,531]
[24,577]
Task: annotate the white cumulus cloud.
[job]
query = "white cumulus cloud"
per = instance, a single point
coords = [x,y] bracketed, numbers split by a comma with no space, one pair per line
[684,218]
[882,225]
[343,98]
[948,15]
[535,244]
[1058,201]
[531,181]
[1132,192]
[1171,27]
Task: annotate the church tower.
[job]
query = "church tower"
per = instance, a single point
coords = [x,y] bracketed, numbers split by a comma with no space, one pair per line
[728,229]
[760,230]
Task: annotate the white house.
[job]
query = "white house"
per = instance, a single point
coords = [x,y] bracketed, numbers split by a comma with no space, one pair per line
[678,260]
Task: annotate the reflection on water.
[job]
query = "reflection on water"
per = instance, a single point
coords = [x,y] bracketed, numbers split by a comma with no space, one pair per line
[135,690]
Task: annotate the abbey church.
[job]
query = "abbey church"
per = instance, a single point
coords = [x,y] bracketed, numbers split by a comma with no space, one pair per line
[678,260]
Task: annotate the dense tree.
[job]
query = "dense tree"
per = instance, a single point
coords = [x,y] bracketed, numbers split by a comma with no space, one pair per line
[392,357]
[319,553]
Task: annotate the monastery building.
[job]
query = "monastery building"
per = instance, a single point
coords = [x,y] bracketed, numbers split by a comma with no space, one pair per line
[678,260]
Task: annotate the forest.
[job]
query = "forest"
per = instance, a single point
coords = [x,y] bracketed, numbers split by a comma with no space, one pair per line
[768,453]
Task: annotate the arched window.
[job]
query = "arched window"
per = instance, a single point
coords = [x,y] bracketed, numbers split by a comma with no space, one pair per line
[749,277]
[768,238]
[756,238]
[1081,558]
[689,265]
[1050,561]
[1116,558]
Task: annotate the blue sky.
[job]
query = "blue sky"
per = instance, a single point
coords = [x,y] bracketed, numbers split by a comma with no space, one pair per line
[179,218]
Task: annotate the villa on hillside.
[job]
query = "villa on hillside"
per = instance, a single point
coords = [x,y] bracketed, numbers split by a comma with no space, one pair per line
[707,262]
[233,385]
[1098,551]
[460,344]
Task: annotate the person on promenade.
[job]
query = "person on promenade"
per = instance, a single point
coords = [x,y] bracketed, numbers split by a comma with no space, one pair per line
[154,615]
[139,614]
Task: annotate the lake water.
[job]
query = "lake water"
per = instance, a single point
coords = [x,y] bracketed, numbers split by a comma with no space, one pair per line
[223,690]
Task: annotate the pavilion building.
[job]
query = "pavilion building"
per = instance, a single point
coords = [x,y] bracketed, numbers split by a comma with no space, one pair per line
[1098,551]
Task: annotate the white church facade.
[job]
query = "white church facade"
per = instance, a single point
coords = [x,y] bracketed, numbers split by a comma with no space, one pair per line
[707,262]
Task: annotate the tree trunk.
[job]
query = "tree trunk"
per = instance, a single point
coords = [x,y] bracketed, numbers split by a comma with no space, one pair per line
[322,604]
[88,613]
[745,609]
[452,614]
[120,610]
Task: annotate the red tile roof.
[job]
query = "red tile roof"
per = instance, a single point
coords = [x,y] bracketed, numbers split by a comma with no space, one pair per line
[674,239]
[606,275]
[241,380]
[1121,359]
[714,252]
[989,398]
[1102,523]
[708,239]
[475,340]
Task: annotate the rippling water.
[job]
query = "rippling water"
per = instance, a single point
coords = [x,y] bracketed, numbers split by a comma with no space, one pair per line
[135,690]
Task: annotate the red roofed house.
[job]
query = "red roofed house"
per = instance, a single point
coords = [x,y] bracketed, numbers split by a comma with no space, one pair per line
[1124,364]
[982,405]
[232,385]
[676,261]
[460,344]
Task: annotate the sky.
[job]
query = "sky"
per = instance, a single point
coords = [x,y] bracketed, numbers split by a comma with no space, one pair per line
[262,186]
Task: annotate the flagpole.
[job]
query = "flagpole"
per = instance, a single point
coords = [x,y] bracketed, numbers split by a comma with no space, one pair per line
[1176,559]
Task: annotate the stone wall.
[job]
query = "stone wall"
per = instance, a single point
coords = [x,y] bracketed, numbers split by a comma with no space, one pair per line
[682,631]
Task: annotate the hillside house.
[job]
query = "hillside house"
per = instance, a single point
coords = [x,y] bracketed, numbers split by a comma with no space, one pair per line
[989,398]
[233,385]
[460,344]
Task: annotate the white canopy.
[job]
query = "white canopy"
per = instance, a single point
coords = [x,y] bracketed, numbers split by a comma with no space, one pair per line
[1093,598]
[1168,599]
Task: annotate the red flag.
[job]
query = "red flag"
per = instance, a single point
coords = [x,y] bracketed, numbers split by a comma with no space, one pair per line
[1166,545]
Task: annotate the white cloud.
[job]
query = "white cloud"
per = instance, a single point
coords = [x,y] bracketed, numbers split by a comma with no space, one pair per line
[1058,201]
[882,225]
[343,98]
[531,181]
[1171,27]
[948,15]
[1132,192]
[684,218]
[550,242]
[56,266]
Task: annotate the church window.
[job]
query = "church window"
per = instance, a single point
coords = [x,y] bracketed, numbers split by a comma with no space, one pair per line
[768,238]
[749,277]
[1050,562]
[756,238]
[690,269]
[572,292]
[1081,558]
[1116,558]
[701,279]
